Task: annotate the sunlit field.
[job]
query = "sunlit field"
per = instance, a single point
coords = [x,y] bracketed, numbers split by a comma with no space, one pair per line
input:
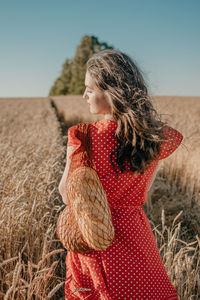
[33,137]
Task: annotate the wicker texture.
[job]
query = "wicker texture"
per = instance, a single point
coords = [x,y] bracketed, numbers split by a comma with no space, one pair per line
[86,222]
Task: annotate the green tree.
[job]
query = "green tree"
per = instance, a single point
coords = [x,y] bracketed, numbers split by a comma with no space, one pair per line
[71,80]
[61,84]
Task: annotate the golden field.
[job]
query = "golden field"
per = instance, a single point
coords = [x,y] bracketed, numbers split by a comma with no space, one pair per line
[33,136]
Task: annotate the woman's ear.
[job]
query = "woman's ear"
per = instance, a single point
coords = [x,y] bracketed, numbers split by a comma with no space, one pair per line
[109,100]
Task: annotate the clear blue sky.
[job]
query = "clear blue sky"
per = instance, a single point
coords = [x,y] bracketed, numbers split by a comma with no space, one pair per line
[163,36]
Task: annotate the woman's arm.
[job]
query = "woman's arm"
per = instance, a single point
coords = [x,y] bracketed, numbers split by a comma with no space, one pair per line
[154,175]
[63,179]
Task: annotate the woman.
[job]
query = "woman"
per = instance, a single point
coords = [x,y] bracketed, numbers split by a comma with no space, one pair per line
[127,146]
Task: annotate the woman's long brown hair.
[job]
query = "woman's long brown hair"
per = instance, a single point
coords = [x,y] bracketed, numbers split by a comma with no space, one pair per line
[140,129]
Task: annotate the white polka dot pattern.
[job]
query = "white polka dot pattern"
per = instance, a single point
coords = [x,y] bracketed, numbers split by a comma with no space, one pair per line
[131,268]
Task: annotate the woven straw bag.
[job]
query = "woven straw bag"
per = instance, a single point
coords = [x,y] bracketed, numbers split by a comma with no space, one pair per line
[86,222]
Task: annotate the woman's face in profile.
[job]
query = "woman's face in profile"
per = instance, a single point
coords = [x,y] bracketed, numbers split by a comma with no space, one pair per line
[96,99]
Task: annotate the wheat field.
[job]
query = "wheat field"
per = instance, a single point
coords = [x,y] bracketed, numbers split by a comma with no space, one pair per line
[33,137]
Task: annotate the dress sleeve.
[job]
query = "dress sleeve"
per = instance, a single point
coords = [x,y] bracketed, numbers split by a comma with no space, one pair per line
[173,139]
[72,142]
[77,138]
[71,136]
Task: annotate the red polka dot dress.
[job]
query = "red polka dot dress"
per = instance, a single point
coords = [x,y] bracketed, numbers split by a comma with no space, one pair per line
[131,267]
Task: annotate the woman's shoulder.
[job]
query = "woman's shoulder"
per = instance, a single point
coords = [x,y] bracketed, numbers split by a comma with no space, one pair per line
[77,133]
[78,127]
[104,125]
[84,131]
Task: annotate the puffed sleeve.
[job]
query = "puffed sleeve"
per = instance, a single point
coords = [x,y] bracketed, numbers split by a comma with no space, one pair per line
[173,139]
[72,141]
[77,137]
[71,135]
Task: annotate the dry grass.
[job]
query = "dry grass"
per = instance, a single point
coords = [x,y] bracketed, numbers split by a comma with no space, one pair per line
[177,185]
[73,109]
[181,258]
[184,114]
[32,162]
